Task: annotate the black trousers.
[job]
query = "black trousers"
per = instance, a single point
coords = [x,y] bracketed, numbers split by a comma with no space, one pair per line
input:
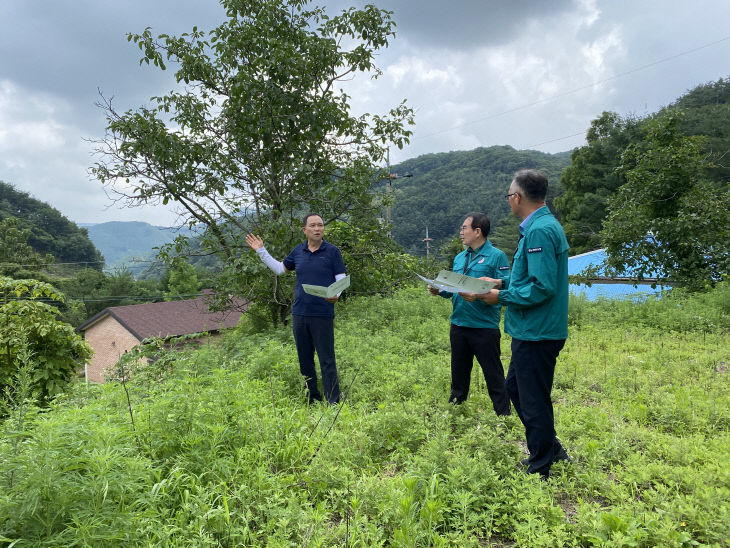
[529,383]
[317,333]
[482,343]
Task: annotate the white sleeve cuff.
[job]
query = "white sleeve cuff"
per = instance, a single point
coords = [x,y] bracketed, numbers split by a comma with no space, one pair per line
[338,277]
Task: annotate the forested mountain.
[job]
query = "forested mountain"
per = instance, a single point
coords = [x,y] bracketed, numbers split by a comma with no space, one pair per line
[446,186]
[50,231]
[590,183]
[121,241]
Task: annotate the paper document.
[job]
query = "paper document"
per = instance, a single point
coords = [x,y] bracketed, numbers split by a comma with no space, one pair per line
[453,282]
[329,291]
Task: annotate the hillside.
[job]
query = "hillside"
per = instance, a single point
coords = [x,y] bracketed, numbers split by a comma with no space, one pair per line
[123,242]
[217,446]
[50,231]
[592,181]
[446,186]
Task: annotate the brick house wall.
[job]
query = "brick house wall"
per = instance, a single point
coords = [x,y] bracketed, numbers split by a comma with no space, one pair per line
[110,340]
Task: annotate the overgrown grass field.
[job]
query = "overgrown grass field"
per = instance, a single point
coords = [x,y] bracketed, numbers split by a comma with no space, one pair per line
[224,451]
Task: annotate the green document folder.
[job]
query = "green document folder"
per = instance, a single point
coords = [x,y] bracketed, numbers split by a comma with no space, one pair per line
[329,291]
[453,282]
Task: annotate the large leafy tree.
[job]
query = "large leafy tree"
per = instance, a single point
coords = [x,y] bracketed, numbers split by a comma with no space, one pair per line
[668,221]
[258,131]
[29,327]
[591,180]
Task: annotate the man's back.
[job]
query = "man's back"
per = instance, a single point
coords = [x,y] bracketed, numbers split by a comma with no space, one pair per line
[538,287]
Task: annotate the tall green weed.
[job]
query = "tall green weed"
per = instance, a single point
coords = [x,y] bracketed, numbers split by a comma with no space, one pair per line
[225,451]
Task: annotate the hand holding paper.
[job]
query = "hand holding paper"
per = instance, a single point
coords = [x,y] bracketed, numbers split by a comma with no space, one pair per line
[327,292]
[452,282]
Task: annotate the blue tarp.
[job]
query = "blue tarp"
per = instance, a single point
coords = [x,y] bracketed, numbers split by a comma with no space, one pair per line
[579,263]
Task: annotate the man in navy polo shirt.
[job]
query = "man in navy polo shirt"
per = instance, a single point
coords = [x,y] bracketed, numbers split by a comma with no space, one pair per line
[316,262]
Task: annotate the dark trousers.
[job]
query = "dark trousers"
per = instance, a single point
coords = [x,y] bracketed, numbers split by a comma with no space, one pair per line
[317,333]
[529,383]
[482,343]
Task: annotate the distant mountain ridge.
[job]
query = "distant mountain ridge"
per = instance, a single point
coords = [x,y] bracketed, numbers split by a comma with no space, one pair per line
[123,241]
[443,187]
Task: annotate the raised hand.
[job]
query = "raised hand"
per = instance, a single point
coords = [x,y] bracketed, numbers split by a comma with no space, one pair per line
[254,242]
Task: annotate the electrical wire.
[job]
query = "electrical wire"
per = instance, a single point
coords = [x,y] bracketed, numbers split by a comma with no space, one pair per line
[575,90]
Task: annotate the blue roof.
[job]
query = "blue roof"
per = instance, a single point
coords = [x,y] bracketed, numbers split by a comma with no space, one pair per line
[578,263]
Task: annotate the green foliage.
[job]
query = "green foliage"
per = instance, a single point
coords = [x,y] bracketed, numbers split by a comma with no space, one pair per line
[29,327]
[226,451]
[182,281]
[707,113]
[591,180]
[597,170]
[667,221]
[17,258]
[89,291]
[259,133]
[445,187]
[375,262]
[49,231]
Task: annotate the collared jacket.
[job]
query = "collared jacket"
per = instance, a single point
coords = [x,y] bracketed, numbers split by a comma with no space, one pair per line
[486,260]
[536,293]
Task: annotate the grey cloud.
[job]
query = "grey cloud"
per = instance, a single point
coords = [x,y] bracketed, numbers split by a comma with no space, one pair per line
[71,48]
[465,24]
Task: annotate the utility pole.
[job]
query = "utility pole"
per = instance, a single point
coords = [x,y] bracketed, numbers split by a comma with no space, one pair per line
[428,244]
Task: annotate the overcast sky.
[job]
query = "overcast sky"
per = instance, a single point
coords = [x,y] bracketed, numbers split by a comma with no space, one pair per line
[526,73]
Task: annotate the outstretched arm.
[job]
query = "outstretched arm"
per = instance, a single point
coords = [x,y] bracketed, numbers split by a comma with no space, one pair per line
[257,244]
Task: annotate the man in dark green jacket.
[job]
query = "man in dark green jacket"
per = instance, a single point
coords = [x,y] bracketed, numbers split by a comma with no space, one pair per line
[536,297]
[474,324]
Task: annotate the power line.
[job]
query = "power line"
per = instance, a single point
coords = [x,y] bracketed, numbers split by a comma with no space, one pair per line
[50,264]
[575,90]
[559,139]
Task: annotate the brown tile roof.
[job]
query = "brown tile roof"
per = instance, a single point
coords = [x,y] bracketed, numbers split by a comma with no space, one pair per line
[169,319]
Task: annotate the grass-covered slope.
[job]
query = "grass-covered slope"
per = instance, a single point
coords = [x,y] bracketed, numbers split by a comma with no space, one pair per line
[225,452]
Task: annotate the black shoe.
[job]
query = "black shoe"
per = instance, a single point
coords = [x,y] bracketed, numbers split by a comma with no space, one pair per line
[561,455]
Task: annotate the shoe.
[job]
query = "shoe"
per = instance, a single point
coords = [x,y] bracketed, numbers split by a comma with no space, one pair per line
[561,455]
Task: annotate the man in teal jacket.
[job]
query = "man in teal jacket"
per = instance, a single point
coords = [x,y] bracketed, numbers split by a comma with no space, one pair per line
[474,324]
[536,297]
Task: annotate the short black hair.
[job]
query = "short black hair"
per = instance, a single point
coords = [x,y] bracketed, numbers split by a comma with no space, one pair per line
[308,215]
[480,221]
[533,183]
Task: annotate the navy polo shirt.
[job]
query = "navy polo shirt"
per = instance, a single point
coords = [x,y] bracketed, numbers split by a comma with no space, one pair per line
[318,268]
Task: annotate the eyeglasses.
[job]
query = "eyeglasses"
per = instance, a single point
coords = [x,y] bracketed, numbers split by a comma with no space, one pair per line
[463,228]
[508,196]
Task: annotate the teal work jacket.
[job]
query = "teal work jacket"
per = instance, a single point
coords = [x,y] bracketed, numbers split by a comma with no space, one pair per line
[536,293]
[486,260]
